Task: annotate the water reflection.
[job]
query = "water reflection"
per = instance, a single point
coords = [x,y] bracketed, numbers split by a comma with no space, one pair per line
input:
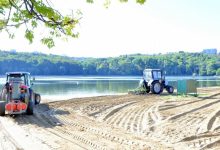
[69,87]
[208,83]
[83,88]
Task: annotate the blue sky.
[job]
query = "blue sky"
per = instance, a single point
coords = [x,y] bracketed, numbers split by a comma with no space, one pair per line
[159,26]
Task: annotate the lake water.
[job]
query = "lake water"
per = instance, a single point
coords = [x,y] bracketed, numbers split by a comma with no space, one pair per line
[66,87]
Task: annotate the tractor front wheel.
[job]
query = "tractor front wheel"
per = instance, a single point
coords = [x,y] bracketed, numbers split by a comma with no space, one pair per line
[37,99]
[170,89]
[2,108]
[156,87]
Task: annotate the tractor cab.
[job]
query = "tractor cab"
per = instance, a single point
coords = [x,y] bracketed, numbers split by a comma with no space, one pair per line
[153,74]
[23,77]
[154,81]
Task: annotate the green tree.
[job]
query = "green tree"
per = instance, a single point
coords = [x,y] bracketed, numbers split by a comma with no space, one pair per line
[218,72]
[29,13]
[42,64]
[211,68]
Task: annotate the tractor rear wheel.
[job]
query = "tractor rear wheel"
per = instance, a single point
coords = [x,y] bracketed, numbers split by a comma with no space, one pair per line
[2,108]
[30,108]
[37,99]
[156,87]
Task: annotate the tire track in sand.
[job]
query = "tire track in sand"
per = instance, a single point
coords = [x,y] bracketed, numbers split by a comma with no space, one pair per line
[7,141]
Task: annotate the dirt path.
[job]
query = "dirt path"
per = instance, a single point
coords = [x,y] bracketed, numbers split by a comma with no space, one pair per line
[118,122]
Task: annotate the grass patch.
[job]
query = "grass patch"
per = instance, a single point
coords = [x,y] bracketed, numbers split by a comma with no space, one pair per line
[138,91]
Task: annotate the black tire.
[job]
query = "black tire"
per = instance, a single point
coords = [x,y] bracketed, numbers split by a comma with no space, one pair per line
[170,89]
[30,108]
[37,99]
[156,87]
[2,108]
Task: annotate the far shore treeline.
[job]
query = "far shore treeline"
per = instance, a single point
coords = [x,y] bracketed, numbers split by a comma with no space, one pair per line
[180,63]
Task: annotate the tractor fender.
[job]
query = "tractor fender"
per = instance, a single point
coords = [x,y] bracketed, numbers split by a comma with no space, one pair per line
[150,82]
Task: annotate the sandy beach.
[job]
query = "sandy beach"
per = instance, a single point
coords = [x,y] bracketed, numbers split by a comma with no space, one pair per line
[118,122]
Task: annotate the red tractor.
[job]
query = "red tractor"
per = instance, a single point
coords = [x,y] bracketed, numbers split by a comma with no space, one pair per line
[17,96]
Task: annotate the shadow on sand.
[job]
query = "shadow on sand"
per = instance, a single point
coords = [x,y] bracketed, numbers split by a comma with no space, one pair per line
[43,117]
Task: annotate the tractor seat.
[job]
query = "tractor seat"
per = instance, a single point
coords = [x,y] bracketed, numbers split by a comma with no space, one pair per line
[15,82]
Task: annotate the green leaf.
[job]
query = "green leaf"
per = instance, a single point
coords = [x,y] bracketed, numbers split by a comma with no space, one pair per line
[75,35]
[29,35]
[123,1]
[89,1]
[4,3]
[33,23]
[107,3]
[16,17]
[2,23]
[48,42]
[26,14]
[141,1]
[1,10]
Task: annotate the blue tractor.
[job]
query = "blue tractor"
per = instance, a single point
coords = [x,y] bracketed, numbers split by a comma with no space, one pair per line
[154,81]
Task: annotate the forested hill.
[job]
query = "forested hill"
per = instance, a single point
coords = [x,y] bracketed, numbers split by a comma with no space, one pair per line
[180,63]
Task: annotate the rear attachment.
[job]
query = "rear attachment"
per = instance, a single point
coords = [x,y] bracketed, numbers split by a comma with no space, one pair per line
[15,107]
